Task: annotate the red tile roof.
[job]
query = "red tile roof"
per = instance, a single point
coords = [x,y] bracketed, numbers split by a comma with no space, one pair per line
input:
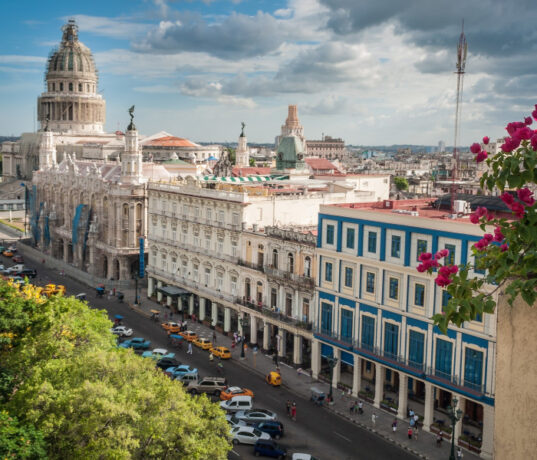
[320,164]
[171,141]
[249,171]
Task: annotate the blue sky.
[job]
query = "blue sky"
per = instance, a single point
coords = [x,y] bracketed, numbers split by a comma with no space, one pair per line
[371,72]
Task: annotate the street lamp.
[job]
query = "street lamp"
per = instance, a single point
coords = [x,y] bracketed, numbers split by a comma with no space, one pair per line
[455,415]
[242,323]
[25,207]
[331,363]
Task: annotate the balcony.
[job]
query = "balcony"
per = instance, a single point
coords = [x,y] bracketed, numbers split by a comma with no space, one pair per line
[269,312]
[283,275]
[259,267]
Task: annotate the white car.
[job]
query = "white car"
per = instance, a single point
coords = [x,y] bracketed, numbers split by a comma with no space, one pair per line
[299,456]
[234,421]
[121,331]
[255,415]
[247,435]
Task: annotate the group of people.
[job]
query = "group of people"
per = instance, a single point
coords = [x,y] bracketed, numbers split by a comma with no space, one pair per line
[357,407]
[291,409]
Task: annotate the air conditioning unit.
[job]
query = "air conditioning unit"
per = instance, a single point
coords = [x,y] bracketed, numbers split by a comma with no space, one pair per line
[388,204]
[459,206]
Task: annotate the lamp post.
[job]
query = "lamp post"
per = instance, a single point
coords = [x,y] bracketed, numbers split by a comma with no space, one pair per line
[455,415]
[25,207]
[242,323]
[331,363]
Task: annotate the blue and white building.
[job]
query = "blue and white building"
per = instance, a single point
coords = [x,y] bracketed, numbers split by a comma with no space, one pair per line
[374,313]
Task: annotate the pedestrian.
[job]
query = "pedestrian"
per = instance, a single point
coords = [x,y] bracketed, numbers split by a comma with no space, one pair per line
[235,337]
[293,411]
[416,421]
[288,407]
[220,368]
[459,453]
[439,439]
[412,422]
[211,357]
[410,413]
[189,351]
[275,358]
[361,407]
[373,419]
[214,338]
[114,290]
[394,425]
[233,344]
[416,432]
[409,432]
[351,408]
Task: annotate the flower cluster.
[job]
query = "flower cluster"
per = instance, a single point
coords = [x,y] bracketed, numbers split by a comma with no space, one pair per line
[513,205]
[428,262]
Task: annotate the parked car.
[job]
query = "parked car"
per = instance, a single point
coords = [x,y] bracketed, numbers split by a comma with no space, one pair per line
[301,456]
[185,379]
[203,343]
[212,385]
[18,259]
[165,363]
[272,427]
[229,392]
[170,326]
[188,335]
[268,448]
[12,248]
[180,370]
[221,352]
[256,415]
[158,353]
[122,331]
[138,343]
[234,421]
[27,272]
[247,435]
[15,268]
[238,403]
[7,253]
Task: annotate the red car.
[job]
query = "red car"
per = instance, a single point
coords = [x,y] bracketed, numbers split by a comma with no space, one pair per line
[17,258]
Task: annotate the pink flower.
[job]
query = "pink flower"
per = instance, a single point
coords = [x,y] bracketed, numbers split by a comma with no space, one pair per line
[523,133]
[441,254]
[488,238]
[534,113]
[481,156]
[513,126]
[526,196]
[454,269]
[518,209]
[481,245]
[498,235]
[421,268]
[528,121]
[442,281]
[444,271]
[534,142]
[486,140]
[475,148]
[425,256]
[507,198]
[504,247]
[510,144]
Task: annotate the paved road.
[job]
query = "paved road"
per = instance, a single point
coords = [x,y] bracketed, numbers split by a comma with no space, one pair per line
[316,430]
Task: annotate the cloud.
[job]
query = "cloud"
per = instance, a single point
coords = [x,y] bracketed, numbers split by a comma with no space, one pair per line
[238,36]
[328,105]
[118,28]
[18,59]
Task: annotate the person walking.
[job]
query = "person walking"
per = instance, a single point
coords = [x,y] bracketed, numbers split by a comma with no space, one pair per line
[394,425]
[459,453]
[211,357]
[374,419]
[416,432]
[214,338]
[288,407]
[409,432]
[293,411]
[189,351]
[416,421]
[439,439]
[361,407]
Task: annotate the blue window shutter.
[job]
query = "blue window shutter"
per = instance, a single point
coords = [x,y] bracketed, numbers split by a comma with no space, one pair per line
[391,336]
[326,318]
[416,348]
[346,324]
[368,332]
[473,369]
[444,351]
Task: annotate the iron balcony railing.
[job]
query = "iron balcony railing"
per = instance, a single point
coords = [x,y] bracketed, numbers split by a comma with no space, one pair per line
[284,275]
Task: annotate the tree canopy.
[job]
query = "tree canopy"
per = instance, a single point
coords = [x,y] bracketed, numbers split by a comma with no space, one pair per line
[401,183]
[63,377]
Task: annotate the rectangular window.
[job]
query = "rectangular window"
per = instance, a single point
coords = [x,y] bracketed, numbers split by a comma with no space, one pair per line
[209,214]
[445,298]
[473,369]
[329,234]
[346,325]
[391,340]
[348,277]
[444,351]
[450,259]
[393,291]
[478,262]
[368,332]
[396,246]
[328,272]
[350,238]
[372,242]
[416,341]
[370,282]
[419,295]
[326,318]
[422,247]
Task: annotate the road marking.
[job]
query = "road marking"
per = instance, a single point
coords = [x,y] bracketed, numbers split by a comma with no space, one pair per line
[236,453]
[341,436]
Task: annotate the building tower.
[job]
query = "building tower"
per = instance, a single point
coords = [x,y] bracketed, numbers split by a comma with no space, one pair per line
[292,126]
[47,150]
[131,158]
[70,100]
[242,156]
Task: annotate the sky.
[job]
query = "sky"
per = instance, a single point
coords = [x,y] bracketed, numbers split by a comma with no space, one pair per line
[373,72]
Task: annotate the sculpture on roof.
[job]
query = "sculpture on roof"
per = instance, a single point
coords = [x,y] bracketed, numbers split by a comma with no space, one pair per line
[131,126]
[243,125]
[223,166]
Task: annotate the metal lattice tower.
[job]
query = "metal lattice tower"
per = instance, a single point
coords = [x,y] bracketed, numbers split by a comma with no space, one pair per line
[462,50]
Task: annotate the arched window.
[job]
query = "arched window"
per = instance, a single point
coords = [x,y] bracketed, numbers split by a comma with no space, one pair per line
[70,87]
[275,258]
[307,266]
[260,256]
[80,87]
[291,262]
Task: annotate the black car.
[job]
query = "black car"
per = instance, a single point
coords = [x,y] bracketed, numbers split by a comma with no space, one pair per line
[27,272]
[272,427]
[164,363]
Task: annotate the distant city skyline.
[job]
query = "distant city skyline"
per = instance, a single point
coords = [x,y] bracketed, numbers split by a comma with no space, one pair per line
[370,73]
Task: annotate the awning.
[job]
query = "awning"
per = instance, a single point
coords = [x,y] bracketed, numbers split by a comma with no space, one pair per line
[155,312]
[175,336]
[237,180]
[172,291]
[118,317]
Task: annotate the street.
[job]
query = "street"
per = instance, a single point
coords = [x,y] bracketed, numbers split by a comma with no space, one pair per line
[316,430]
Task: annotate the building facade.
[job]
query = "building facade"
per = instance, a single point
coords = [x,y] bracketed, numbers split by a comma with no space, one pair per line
[292,127]
[374,313]
[328,147]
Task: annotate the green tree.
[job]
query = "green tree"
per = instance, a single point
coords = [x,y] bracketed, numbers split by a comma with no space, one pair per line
[252,162]
[19,441]
[232,155]
[401,183]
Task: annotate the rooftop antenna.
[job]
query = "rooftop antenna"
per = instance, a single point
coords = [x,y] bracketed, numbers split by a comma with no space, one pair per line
[462,50]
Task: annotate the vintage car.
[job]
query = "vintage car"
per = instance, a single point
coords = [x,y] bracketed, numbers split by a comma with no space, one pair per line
[138,343]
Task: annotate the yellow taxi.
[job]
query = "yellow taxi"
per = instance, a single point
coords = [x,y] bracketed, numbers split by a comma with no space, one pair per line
[188,335]
[7,253]
[171,327]
[274,379]
[53,289]
[231,392]
[221,352]
[203,343]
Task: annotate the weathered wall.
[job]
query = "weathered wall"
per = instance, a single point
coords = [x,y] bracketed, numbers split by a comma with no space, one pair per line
[516,382]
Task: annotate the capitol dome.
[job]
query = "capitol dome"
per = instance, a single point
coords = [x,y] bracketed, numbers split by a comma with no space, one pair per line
[71,102]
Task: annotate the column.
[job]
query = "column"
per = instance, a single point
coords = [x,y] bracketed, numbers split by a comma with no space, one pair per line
[281,339]
[227,319]
[66,251]
[159,294]
[379,384]
[403,395]
[428,407]
[150,286]
[266,336]
[337,368]
[315,358]
[214,313]
[297,349]
[202,308]
[487,444]
[169,301]
[357,376]
[253,329]
[461,404]
[191,305]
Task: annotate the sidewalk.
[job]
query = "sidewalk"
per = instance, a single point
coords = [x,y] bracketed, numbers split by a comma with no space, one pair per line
[300,383]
